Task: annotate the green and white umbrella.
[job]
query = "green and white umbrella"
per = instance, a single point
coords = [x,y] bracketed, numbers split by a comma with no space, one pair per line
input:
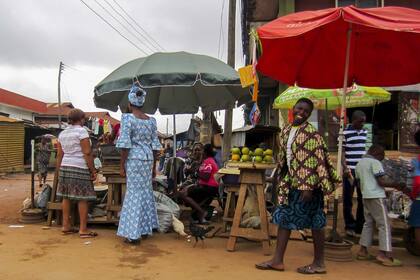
[176,83]
[330,99]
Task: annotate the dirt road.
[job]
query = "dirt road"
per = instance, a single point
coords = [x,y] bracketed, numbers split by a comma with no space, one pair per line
[37,254]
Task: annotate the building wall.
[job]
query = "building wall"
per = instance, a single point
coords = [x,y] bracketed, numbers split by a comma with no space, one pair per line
[16,113]
[12,136]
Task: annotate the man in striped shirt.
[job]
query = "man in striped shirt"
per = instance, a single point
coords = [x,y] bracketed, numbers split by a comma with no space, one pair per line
[354,149]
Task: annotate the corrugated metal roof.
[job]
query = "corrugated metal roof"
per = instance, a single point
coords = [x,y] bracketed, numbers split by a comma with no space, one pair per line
[7,119]
[16,100]
[12,135]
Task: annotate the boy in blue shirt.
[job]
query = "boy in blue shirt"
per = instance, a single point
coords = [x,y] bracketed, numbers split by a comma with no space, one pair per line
[373,181]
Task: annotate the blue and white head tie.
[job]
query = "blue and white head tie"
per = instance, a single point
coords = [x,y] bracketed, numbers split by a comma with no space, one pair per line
[136,96]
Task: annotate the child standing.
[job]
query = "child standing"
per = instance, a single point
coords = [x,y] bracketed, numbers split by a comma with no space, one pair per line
[371,175]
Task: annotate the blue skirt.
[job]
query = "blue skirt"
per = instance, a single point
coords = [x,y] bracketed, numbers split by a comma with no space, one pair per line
[414,218]
[298,215]
[138,214]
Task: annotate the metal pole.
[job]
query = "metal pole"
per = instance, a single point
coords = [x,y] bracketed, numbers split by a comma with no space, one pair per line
[59,94]
[32,173]
[175,177]
[334,234]
[326,130]
[227,136]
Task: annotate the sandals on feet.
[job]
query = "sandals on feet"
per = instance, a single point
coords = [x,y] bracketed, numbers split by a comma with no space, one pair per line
[70,231]
[267,266]
[390,262]
[132,241]
[91,234]
[367,257]
[311,269]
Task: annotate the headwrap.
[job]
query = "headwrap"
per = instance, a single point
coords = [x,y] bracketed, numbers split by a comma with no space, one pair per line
[134,99]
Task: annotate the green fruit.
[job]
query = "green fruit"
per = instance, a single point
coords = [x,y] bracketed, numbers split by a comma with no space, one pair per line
[259,152]
[245,158]
[245,151]
[268,158]
[268,152]
[235,151]
[251,153]
[258,159]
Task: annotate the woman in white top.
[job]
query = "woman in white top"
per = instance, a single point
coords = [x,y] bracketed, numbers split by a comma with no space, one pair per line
[77,171]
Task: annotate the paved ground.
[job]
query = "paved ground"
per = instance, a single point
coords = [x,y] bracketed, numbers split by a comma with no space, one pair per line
[34,253]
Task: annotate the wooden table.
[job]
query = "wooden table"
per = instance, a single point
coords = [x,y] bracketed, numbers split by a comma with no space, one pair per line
[115,196]
[252,175]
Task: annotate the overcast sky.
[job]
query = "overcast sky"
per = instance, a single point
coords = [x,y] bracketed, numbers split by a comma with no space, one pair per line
[37,35]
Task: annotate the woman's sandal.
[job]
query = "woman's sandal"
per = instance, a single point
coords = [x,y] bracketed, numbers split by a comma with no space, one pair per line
[267,266]
[70,231]
[91,234]
[310,269]
[132,241]
[367,257]
[390,262]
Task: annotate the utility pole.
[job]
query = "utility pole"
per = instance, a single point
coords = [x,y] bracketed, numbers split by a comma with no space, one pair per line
[59,94]
[227,136]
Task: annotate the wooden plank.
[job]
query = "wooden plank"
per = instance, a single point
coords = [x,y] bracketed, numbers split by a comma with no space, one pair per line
[264,220]
[115,180]
[114,208]
[252,177]
[54,206]
[110,200]
[53,197]
[237,218]
[250,233]
[251,165]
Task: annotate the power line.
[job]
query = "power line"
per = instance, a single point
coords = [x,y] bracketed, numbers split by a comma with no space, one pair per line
[123,26]
[162,48]
[110,25]
[71,67]
[132,26]
[66,92]
[221,37]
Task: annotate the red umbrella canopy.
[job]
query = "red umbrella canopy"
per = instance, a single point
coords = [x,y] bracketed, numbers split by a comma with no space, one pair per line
[309,48]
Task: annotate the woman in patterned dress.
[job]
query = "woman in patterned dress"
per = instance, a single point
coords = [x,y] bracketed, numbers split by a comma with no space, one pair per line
[139,146]
[43,160]
[308,175]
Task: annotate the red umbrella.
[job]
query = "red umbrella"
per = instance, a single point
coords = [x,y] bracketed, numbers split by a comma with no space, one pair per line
[309,48]
[341,46]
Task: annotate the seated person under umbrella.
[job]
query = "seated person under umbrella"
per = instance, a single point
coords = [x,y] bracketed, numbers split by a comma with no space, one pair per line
[200,196]
[192,164]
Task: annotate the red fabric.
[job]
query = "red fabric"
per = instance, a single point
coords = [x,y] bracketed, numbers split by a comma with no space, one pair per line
[209,166]
[308,48]
[416,188]
[415,192]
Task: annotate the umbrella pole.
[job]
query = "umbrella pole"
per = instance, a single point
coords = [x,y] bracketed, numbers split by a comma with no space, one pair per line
[32,173]
[174,157]
[326,130]
[335,237]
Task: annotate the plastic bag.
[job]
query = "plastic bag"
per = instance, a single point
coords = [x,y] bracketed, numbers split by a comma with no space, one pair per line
[165,207]
[43,197]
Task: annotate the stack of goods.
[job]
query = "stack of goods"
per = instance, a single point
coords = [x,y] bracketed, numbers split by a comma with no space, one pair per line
[369,138]
[259,155]
[398,169]
[110,159]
